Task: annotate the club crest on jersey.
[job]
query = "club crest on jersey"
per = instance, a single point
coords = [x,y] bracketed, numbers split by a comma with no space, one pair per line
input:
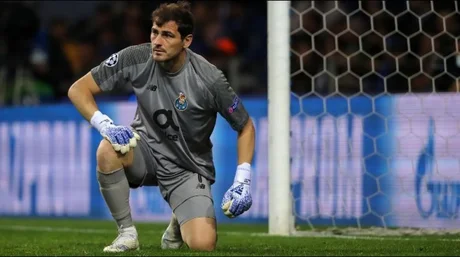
[112,60]
[234,105]
[181,102]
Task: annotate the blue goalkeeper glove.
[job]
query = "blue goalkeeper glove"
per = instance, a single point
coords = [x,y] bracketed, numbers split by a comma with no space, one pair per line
[238,198]
[122,138]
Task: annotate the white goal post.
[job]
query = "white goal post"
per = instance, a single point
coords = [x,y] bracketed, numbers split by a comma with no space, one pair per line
[279,176]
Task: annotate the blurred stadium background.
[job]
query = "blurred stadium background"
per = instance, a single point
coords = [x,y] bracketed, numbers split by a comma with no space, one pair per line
[374,123]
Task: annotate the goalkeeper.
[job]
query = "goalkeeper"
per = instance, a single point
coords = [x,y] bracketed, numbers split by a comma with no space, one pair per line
[179,94]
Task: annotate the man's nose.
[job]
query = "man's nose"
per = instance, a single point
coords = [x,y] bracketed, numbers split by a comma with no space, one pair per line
[157,41]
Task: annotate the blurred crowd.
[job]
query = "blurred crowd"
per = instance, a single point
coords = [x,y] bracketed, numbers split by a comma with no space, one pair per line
[346,47]
[43,52]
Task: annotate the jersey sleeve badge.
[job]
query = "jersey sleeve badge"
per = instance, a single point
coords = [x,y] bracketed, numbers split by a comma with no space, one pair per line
[112,60]
[234,106]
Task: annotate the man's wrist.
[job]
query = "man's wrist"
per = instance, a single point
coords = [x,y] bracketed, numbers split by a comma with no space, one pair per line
[243,173]
[99,120]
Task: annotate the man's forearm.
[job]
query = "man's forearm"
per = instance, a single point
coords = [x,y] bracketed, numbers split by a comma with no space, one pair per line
[246,143]
[83,101]
[82,96]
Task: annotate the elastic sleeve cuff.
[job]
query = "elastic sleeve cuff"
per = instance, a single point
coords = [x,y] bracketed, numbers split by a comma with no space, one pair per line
[243,173]
[98,120]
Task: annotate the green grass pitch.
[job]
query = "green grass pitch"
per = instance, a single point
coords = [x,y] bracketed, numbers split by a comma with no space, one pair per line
[71,237]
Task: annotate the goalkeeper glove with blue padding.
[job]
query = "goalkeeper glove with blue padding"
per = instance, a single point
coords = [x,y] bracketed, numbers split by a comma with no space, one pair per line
[122,138]
[238,197]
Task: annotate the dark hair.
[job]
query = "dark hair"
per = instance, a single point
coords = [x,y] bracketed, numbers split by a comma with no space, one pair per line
[179,12]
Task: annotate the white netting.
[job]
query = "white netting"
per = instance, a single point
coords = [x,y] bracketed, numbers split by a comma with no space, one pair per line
[350,61]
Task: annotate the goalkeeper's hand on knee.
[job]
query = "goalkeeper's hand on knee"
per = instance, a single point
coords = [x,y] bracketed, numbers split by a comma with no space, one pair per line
[122,138]
[238,197]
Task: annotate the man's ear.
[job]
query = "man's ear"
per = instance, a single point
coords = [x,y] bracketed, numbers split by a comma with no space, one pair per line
[188,40]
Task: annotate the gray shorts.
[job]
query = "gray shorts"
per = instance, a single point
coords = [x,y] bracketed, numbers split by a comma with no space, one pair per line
[189,197]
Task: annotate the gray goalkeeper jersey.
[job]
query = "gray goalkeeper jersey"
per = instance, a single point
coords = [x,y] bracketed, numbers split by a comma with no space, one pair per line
[176,112]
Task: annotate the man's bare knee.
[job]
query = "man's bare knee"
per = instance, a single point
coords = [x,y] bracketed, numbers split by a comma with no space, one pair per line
[200,234]
[109,160]
[202,242]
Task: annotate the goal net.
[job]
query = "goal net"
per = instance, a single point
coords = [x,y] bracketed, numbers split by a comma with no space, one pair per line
[374,119]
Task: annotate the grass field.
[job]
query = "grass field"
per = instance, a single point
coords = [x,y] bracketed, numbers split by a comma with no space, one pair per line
[46,237]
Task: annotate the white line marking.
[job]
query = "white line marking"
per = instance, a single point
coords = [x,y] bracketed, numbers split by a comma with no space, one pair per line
[234,233]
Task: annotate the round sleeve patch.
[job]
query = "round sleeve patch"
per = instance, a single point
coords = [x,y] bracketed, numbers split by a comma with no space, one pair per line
[112,60]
